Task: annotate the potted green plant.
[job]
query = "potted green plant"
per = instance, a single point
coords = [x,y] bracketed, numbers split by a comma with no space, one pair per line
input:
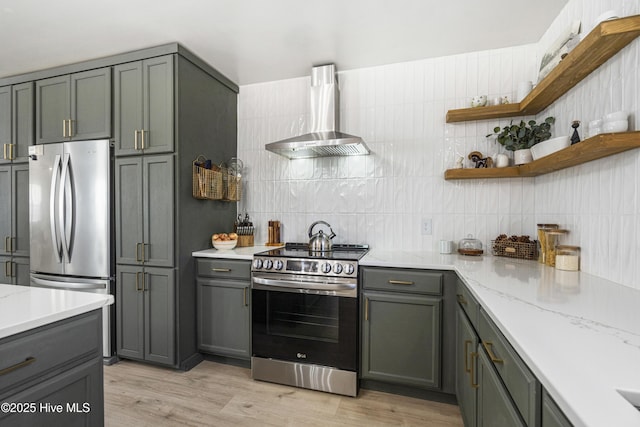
[519,138]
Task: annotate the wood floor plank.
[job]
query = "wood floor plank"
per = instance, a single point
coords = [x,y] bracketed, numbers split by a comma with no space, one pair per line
[214,394]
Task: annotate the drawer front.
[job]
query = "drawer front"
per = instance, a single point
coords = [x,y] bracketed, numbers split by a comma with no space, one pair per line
[522,385]
[32,356]
[468,303]
[403,280]
[226,268]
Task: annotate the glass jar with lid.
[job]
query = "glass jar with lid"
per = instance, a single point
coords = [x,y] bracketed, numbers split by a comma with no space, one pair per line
[567,257]
[542,240]
[470,246]
[552,236]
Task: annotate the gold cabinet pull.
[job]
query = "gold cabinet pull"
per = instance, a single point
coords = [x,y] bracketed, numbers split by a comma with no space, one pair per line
[400,282]
[135,139]
[144,282]
[7,244]
[70,128]
[487,346]
[7,268]
[466,355]
[138,252]
[26,362]
[461,299]
[142,139]
[138,281]
[474,355]
[4,151]
[244,296]
[366,309]
[64,128]
[12,154]
[221,270]
[144,258]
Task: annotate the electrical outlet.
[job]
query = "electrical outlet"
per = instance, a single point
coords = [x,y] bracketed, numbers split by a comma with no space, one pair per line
[427,227]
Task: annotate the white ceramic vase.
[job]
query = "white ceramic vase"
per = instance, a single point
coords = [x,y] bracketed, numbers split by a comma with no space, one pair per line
[520,157]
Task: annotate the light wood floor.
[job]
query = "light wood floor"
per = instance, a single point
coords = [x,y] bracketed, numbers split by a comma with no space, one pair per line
[214,394]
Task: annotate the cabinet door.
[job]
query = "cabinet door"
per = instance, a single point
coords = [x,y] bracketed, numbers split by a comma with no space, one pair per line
[6,275]
[79,391]
[21,271]
[129,312]
[5,123]
[466,378]
[23,121]
[158,195]
[52,109]
[158,105]
[127,93]
[552,415]
[5,210]
[224,326]
[495,407]
[20,210]
[409,324]
[159,315]
[91,104]
[129,201]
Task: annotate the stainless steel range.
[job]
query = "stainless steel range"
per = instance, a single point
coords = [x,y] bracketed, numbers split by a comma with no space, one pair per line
[305,317]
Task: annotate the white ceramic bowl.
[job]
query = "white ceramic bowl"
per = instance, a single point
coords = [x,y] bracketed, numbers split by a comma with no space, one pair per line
[617,126]
[549,146]
[223,245]
[615,116]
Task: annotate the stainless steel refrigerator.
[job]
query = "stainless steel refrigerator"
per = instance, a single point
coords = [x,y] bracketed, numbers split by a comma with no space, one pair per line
[71,220]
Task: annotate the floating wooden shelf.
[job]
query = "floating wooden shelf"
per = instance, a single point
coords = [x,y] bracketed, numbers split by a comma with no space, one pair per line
[604,41]
[596,147]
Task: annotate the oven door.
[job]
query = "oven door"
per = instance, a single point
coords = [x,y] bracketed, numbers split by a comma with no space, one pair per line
[304,325]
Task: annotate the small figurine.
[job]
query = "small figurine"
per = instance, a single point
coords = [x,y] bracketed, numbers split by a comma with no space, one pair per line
[481,162]
[458,163]
[575,138]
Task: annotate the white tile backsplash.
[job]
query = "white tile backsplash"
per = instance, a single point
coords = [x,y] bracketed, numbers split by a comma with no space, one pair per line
[400,109]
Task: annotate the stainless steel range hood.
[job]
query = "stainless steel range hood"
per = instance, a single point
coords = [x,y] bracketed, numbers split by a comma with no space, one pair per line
[325,139]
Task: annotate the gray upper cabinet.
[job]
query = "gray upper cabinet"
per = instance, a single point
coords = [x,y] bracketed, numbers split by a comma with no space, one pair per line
[145,210]
[16,122]
[410,325]
[144,101]
[74,107]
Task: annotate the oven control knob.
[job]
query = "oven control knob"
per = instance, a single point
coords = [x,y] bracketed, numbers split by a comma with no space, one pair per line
[257,264]
[337,268]
[278,264]
[268,264]
[325,268]
[349,269]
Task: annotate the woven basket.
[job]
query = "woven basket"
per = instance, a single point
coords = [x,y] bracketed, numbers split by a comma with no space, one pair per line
[207,183]
[507,248]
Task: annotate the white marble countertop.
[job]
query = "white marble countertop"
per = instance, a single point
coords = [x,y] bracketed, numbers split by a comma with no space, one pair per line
[235,253]
[578,333]
[23,308]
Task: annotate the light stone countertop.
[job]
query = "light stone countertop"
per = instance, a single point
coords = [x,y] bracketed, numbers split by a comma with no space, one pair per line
[23,308]
[579,334]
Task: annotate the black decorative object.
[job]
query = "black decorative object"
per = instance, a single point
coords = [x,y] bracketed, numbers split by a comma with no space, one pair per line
[575,138]
[480,162]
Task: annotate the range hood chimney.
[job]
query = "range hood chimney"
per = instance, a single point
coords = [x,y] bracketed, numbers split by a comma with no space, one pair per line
[325,139]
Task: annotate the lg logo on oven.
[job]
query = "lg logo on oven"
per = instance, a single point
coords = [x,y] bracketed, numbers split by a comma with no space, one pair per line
[301,356]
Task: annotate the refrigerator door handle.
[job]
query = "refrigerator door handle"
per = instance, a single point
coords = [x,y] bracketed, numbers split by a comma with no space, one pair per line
[65,215]
[55,239]
[80,284]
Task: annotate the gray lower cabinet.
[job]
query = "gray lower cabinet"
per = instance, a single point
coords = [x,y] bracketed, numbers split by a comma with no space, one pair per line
[224,311]
[145,314]
[15,271]
[143,97]
[74,106]
[552,415]
[401,310]
[56,364]
[466,372]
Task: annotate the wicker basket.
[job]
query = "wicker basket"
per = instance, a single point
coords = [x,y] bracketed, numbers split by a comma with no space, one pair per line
[510,249]
[232,186]
[207,183]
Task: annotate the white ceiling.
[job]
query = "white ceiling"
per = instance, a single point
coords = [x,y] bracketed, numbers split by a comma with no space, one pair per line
[262,40]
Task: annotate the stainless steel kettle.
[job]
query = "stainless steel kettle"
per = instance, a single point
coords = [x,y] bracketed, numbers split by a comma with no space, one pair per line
[320,242]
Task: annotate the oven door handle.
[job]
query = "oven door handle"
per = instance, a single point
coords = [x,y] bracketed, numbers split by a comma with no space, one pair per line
[313,286]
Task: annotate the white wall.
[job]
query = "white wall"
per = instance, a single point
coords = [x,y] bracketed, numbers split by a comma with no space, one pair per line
[399,110]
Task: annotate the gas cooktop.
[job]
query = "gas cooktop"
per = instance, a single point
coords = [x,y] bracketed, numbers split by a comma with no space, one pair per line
[301,250]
